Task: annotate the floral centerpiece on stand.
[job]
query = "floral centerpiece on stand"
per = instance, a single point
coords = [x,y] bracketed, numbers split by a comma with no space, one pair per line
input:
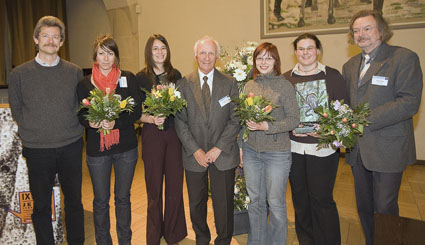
[105,106]
[252,107]
[239,64]
[339,125]
[241,198]
[163,100]
[240,203]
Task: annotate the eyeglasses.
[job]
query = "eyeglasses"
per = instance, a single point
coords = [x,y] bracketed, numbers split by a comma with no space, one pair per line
[47,36]
[308,49]
[366,29]
[266,59]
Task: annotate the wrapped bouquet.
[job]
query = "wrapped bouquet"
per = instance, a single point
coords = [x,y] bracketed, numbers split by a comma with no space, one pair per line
[163,100]
[105,106]
[339,125]
[252,107]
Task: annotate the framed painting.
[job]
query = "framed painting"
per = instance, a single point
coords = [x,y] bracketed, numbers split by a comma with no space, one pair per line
[285,18]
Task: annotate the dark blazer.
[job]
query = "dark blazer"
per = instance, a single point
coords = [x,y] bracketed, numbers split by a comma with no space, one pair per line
[388,143]
[196,131]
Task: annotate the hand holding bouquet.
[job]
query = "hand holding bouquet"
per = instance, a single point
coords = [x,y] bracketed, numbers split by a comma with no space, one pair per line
[105,106]
[163,101]
[254,108]
[339,125]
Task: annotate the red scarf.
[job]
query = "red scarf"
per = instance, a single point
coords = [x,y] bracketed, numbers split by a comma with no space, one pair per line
[107,84]
[104,82]
[108,140]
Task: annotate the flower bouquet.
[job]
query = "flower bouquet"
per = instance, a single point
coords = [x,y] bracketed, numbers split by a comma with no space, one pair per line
[240,197]
[252,107]
[163,100]
[239,64]
[105,106]
[339,125]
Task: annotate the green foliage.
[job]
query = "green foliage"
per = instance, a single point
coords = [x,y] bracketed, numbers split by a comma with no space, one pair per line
[240,197]
[163,100]
[105,106]
[339,125]
[252,107]
[239,64]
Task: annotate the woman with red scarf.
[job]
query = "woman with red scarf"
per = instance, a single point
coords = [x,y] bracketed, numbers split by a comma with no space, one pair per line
[118,149]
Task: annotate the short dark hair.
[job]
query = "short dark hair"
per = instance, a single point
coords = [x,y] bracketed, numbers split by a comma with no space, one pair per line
[382,25]
[308,36]
[50,21]
[272,50]
[106,41]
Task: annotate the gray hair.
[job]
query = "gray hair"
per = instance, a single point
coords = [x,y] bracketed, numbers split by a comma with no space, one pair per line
[49,21]
[204,39]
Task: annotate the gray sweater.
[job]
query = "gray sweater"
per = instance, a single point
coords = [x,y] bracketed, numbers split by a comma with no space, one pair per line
[280,92]
[44,103]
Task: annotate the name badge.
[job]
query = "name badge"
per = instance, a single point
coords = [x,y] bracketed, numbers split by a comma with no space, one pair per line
[380,81]
[224,101]
[123,82]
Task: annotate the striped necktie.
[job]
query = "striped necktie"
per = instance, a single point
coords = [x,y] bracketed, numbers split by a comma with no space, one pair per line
[365,67]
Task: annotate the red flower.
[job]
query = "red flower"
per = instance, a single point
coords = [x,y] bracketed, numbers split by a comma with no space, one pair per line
[268,108]
[344,120]
[86,102]
[354,125]
[325,115]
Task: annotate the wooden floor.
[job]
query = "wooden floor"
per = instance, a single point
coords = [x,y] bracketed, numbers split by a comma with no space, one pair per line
[411,202]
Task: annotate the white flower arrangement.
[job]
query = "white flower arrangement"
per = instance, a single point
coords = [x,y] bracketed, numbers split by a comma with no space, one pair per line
[240,197]
[239,64]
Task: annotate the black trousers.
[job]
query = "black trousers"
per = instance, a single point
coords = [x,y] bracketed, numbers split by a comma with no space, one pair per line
[162,157]
[312,181]
[376,192]
[222,187]
[43,165]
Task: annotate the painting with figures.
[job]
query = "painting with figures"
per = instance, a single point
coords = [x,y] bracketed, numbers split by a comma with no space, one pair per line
[309,96]
[280,18]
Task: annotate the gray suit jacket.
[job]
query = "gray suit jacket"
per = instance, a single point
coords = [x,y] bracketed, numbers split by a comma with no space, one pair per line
[195,131]
[388,143]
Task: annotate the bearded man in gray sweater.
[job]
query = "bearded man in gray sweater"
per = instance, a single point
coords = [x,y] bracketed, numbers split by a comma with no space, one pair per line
[43,100]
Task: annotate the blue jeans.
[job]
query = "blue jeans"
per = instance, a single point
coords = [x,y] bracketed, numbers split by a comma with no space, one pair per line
[100,173]
[266,175]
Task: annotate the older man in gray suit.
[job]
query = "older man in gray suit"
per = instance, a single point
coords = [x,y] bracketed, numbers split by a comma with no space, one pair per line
[207,129]
[389,78]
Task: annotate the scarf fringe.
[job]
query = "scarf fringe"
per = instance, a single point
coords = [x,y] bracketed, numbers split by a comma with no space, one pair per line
[108,140]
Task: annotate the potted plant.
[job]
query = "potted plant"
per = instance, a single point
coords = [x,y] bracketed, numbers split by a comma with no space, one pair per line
[239,64]
[240,201]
